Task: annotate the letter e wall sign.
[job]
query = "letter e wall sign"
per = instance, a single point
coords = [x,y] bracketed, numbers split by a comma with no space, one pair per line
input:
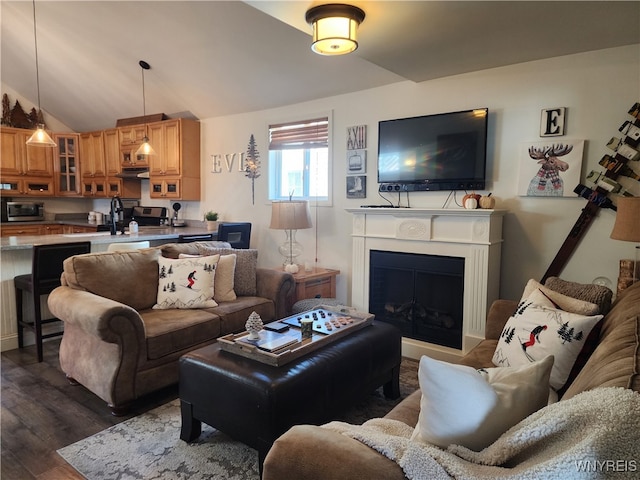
[552,122]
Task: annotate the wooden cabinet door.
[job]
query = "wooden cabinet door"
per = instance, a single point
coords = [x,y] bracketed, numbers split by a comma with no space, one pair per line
[18,158]
[11,152]
[52,229]
[156,139]
[19,230]
[165,140]
[67,165]
[92,154]
[112,152]
[94,187]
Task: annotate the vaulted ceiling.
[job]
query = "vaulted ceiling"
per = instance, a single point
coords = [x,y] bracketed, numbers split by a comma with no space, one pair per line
[214,58]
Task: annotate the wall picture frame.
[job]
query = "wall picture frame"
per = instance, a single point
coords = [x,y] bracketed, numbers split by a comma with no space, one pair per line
[356,162]
[356,137]
[357,186]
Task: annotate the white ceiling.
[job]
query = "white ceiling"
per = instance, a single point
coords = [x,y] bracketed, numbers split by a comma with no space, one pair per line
[214,58]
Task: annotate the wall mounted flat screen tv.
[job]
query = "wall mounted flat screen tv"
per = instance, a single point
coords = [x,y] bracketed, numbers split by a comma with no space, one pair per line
[433,152]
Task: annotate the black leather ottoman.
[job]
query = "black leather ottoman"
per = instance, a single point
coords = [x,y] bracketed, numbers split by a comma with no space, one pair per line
[255,403]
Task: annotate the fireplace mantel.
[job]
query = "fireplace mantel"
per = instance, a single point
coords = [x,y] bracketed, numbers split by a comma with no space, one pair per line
[475,235]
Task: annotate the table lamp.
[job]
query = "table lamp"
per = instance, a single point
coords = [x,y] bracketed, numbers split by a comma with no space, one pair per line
[290,216]
[627,227]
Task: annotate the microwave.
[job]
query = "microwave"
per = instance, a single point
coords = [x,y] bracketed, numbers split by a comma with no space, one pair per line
[24,211]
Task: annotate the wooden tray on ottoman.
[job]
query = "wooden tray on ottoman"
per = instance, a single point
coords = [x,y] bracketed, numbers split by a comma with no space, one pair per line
[330,324]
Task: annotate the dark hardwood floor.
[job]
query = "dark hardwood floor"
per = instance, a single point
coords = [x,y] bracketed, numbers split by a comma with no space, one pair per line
[42,412]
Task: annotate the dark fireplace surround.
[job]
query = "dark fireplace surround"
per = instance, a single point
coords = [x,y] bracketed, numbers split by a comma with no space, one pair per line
[422,295]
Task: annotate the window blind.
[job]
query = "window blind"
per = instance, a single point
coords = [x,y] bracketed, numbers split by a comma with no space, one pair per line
[303,134]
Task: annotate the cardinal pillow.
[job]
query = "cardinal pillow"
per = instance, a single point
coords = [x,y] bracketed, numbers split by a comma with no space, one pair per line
[538,329]
[186,282]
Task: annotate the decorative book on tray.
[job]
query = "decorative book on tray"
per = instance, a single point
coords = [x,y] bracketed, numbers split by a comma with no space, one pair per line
[271,341]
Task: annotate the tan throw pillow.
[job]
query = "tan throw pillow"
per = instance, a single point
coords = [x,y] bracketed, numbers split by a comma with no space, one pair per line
[186,282]
[223,284]
[245,281]
[598,294]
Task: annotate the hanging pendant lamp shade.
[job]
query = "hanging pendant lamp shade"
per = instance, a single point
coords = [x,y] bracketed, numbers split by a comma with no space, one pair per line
[40,137]
[145,148]
[335,28]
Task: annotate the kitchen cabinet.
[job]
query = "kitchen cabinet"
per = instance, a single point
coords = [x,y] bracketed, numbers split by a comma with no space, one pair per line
[174,171]
[18,158]
[27,186]
[124,188]
[19,230]
[92,155]
[94,187]
[67,165]
[111,139]
[67,229]
[130,139]
[52,229]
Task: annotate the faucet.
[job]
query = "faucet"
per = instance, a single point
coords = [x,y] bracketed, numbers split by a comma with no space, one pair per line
[116,208]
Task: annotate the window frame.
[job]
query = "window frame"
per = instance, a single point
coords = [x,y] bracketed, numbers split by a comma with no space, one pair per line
[274,170]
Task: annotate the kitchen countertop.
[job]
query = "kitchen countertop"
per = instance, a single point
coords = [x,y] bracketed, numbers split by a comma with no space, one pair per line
[98,238]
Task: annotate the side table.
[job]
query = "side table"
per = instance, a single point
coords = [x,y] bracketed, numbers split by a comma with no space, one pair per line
[319,282]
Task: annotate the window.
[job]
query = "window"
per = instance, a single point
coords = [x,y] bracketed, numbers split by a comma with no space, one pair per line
[299,160]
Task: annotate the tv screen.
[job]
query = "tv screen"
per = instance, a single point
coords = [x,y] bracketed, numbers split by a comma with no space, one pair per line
[433,152]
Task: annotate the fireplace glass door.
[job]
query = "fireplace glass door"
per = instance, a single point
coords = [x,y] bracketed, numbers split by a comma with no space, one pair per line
[422,295]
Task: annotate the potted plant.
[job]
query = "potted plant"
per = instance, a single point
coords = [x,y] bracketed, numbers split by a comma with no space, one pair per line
[212,220]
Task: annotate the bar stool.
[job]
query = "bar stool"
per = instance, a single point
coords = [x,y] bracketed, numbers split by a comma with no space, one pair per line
[122,246]
[46,268]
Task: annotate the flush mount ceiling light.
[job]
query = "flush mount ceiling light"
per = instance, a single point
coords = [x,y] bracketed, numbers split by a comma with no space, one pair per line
[40,138]
[334,28]
[145,148]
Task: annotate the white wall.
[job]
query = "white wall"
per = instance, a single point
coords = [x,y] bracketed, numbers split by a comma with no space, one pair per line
[598,88]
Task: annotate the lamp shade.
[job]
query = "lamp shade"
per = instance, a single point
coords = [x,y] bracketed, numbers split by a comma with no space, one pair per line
[627,226]
[335,28]
[41,138]
[290,215]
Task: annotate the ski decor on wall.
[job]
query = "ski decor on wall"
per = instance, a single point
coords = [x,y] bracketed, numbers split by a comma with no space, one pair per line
[356,161]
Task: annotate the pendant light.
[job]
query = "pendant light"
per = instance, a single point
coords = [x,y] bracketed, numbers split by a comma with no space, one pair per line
[145,148]
[40,138]
[334,28]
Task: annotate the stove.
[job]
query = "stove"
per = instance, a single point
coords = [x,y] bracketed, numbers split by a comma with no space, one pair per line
[149,216]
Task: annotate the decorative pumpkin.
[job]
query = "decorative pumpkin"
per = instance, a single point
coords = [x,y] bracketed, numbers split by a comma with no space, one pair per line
[487,201]
[470,201]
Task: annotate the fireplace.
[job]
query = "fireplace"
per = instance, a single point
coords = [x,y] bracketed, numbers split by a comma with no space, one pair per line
[462,249]
[422,295]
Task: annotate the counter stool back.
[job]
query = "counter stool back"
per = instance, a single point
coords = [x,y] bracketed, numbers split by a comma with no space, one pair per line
[46,268]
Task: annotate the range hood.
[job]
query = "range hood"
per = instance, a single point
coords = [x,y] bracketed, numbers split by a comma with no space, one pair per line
[134,172]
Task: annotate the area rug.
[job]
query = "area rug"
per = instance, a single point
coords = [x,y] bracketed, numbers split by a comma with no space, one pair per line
[148,446]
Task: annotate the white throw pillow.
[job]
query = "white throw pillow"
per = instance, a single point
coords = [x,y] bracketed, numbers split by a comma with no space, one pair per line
[536,330]
[223,284]
[463,406]
[186,282]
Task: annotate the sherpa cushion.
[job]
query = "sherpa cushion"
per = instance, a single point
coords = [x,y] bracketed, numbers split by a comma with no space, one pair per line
[186,283]
[598,294]
[561,301]
[463,406]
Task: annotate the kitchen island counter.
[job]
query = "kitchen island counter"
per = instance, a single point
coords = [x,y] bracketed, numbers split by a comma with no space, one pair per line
[100,240]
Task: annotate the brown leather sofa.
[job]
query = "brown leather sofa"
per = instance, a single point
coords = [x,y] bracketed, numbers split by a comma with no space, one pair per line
[307,452]
[118,347]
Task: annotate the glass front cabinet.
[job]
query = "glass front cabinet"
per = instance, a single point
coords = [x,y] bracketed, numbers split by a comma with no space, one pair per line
[67,165]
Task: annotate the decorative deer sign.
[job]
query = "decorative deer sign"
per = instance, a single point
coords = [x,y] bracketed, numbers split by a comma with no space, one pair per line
[547,182]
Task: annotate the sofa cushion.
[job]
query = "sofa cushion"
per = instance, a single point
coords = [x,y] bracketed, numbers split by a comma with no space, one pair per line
[561,301]
[463,406]
[244,280]
[129,277]
[537,330]
[616,360]
[598,294]
[186,282]
[224,278]
[171,331]
[234,315]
